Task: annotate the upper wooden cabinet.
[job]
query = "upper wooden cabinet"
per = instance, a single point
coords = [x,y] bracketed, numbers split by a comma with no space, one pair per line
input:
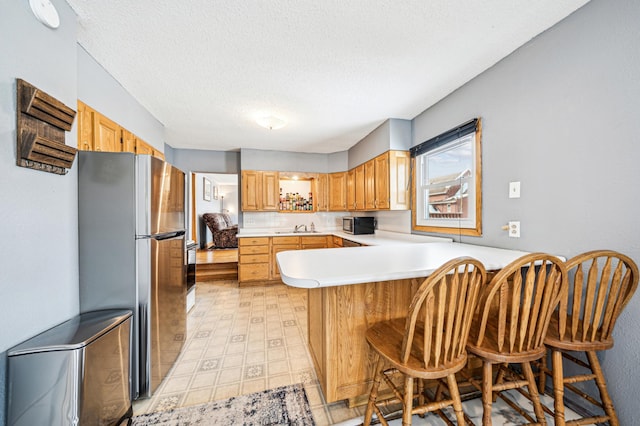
[370,182]
[85,127]
[359,187]
[128,141]
[106,134]
[260,190]
[98,133]
[322,192]
[392,180]
[338,191]
[351,189]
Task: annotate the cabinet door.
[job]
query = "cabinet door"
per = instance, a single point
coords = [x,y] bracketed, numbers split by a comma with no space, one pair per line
[143,148]
[381,179]
[320,197]
[338,191]
[369,185]
[106,134]
[351,189]
[128,141]
[270,191]
[275,271]
[250,189]
[359,184]
[399,167]
[85,127]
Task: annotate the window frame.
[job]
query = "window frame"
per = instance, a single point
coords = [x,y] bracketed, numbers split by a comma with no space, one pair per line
[474,227]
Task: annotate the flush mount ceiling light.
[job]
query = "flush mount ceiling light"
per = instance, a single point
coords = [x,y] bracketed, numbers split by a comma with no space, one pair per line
[271,122]
[46,12]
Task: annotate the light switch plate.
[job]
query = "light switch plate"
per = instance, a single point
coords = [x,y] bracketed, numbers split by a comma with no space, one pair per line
[514,189]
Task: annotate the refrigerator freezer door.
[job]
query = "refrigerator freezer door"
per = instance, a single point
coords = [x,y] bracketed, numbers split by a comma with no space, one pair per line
[162,308]
[159,196]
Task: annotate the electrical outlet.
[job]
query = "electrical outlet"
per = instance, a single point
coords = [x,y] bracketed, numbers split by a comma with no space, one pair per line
[514,189]
[514,229]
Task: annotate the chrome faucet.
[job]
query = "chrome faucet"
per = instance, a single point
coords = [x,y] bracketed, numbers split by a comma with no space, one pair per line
[297,228]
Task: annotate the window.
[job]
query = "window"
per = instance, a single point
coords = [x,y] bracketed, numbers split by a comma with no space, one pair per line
[447,182]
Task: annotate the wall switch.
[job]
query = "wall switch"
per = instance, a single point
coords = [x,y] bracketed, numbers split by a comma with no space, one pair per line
[514,229]
[514,189]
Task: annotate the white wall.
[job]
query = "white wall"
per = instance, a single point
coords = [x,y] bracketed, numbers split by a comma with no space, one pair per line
[39,210]
[560,115]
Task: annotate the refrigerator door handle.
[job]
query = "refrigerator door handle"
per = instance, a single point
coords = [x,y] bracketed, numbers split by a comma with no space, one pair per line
[162,236]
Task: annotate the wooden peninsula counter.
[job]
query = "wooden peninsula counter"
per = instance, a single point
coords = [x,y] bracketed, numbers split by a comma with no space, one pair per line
[352,288]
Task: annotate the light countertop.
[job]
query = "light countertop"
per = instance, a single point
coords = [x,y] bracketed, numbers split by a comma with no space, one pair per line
[379,238]
[384,262]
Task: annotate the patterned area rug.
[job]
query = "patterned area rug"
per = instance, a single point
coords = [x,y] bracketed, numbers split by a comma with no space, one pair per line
[286,405]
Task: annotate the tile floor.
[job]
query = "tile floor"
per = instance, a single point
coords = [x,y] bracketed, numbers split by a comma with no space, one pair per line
[244,340]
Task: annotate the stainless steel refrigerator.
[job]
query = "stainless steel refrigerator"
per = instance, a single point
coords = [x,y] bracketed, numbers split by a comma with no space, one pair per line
[132,254]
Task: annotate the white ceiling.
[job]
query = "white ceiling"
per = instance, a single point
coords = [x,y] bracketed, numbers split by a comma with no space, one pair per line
[334,69]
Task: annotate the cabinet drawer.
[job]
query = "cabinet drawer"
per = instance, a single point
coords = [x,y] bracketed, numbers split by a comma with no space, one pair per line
[285,240]
[313,246]
[253,272]
[254,250]
[254,258]
[306,241]
[253,241]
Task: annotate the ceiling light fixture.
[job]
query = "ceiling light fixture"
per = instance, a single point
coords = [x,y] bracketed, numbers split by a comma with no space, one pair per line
[271,122]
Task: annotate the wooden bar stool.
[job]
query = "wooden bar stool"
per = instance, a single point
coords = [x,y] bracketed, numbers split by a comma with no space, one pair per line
[602,284]
[513,316]
[429,343]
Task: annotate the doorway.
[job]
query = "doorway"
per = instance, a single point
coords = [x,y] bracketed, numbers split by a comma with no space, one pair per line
[211,193]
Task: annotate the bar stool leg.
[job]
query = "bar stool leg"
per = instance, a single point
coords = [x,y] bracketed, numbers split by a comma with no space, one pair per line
[407,404]
[373,395]
[455,396]
[487,392]
[558,387]
[602,387]
[533,391]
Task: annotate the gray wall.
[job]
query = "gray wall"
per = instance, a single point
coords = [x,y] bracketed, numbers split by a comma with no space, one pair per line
[394,134]
[98,89]
[560,115]
[256,159]
[197,160]
[39,210]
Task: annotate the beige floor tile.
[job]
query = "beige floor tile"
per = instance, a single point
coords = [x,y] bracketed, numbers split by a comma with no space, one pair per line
[175,384]
[276,353]
[255,357]
[230,375]
[185,367]
[225,391]
[279,380]
[202,380]
[278,367]
[233,360]
[250,386]
[198,396]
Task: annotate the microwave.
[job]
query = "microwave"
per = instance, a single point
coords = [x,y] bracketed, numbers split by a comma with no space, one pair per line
[358,225]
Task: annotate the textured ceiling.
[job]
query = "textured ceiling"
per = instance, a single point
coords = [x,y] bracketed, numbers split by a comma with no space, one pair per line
[334,69]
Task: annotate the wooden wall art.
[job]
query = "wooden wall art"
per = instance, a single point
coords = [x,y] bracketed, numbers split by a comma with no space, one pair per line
[42,121]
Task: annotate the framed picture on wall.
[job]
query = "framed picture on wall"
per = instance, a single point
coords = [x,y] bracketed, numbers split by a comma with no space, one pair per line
[207,189]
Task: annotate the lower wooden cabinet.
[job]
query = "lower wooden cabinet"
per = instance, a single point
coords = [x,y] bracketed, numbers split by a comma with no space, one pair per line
[257,256]
[279,244]
[337,320]
[253,259]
